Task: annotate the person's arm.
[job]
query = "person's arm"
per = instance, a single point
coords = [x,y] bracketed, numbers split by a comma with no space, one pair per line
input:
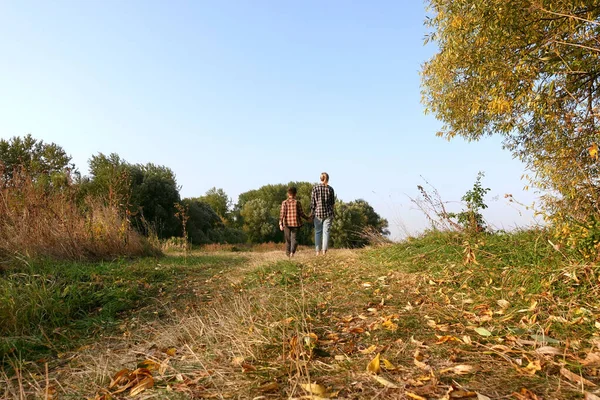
[301,211]
[332,198]
[282,214]
[313,202]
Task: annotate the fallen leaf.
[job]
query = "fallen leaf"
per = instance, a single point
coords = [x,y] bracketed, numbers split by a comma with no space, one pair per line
[503,303]
[388,365]
[532,367]
[591,396]
[374,366]
[368,350]
[544,339]
[459,369]
[268,387]
[548,351]
[592,360]
[150,365]
[144,384]
[171,351]
[482,397]
[462,394]
[525,394]
[414,396]
[483,331]
[119,377]
[575,378]
[389,325]
[314,388]
[385,382]
[467,339]
[447,338]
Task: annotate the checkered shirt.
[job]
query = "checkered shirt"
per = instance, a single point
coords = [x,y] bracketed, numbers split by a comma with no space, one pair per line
[322,201]
[291,211]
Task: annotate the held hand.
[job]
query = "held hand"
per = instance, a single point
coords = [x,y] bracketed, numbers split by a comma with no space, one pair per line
[280,227]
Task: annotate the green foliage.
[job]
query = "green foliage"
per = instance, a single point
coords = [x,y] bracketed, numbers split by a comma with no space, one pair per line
[271,197]
[259,223]
[149,192]
[218,200]
[471,219]
[46,162]
[353,223]
[529,72]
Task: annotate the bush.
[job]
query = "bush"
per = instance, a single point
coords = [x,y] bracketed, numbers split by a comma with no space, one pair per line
[37,221]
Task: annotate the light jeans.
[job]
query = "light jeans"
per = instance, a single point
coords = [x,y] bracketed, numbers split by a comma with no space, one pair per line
[322,233]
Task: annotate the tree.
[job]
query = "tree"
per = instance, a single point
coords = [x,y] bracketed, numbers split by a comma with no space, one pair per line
[272,196]
[529,71]
[38,159]
[353,223]
[202,221]
[259,224]
[219,202]
[148,191]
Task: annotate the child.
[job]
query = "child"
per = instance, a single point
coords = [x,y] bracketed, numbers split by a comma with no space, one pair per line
[290,221]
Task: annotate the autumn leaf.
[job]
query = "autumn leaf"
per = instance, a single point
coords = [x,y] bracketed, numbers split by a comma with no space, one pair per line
[575,378]
[548,351]
[483,332]
[385,382]
[447,338]
[414,396]
[171,351]
[459,369]
[592,360]
[388,365]
[389,325]
[532,367]
[374,366]
[268,387]
[368,350]
[593,150]
[144,384]
[119,377]
[314,388]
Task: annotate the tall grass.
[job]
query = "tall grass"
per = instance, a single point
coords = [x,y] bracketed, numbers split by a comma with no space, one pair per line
[40,220]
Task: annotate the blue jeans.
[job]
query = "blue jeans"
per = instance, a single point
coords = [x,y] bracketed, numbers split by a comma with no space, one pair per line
[322,233]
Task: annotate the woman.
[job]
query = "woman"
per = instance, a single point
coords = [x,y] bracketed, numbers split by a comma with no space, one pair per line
[322,200]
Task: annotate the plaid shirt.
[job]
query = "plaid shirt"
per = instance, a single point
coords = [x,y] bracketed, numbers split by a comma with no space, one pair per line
[291,211]
[322,200]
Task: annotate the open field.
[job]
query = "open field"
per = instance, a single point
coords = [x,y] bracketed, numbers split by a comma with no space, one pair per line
[442,316]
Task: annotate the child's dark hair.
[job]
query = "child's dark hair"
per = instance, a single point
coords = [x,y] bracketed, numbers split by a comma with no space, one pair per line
[292,190]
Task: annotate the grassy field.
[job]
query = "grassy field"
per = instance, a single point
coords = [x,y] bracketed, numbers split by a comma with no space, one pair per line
[440,316]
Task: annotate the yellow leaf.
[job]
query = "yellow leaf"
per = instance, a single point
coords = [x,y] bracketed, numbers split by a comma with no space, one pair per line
[459,369]
[593,149]
[374,366]
[171,351]
[447,338]
[532,367]
[268,387]
[385,382]
[388,365]
[369,350]
[414,396]
[149,365]
[389,325]
[314,388]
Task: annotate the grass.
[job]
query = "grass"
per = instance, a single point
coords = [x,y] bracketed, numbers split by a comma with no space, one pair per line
[47,307]
[450,312]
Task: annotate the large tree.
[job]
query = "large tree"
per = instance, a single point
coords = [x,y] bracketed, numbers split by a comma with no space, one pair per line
[528,70]
[37,158]
[219,202]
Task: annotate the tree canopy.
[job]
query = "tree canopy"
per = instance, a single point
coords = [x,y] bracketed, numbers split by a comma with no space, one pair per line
[529,71]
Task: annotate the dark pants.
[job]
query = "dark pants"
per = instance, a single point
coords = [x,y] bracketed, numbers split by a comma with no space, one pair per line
[291,243]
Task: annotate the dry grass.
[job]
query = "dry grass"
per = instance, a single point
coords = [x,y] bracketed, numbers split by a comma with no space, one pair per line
[273,326]
[37,221]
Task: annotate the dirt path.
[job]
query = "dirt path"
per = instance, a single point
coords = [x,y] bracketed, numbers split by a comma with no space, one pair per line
[341,326]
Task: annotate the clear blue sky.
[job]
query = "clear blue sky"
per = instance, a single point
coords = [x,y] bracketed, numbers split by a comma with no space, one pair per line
[238,94]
